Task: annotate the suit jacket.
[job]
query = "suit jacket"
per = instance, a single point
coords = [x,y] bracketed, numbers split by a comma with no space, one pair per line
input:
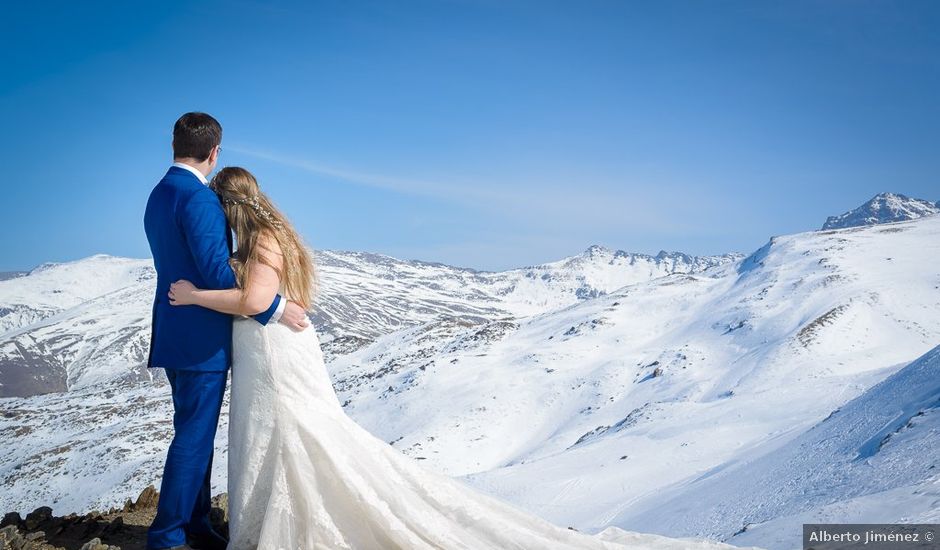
[190,239]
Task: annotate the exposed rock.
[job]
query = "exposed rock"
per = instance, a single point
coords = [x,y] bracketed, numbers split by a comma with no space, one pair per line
[13,518]
[116,529]
[96,544]
[7,534]
[12,538]
[35,518]
[220,502]
[148,498]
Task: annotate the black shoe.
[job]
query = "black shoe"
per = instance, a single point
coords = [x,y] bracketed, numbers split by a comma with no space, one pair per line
[206,541]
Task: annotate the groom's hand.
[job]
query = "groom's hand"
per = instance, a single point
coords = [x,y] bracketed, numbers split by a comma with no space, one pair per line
[294,317]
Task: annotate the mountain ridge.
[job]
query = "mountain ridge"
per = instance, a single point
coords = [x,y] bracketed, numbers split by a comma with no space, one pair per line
[43,313]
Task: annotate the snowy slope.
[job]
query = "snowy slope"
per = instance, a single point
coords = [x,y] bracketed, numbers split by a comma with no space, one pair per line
[105,338]
[884,208]
[53,288]
[879,445]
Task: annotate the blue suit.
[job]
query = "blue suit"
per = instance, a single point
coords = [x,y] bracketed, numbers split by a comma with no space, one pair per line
[189,239]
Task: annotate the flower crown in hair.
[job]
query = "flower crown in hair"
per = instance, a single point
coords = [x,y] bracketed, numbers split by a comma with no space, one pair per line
[255,205]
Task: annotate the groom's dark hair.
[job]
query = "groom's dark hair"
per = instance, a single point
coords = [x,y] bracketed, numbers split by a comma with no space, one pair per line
[194,136]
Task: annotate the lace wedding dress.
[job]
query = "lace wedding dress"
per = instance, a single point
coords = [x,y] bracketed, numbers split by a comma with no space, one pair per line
[303,475]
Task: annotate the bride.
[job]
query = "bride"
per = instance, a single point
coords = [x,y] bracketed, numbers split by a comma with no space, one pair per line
[302,475]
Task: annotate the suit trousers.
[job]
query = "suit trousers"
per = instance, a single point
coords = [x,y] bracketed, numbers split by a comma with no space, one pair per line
[185,492]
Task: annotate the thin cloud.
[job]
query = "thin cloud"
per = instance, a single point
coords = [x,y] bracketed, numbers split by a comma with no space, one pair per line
[402,185]
[545,206]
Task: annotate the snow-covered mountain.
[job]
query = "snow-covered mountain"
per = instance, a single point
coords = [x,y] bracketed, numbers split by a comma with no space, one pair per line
[606,389]
[669,381]
[66,326]
[69,325]
[884,208]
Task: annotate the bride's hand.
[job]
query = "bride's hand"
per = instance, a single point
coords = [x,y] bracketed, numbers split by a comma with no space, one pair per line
[182,293]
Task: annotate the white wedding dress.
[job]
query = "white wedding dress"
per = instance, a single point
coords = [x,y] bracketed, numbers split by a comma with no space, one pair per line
[302,475]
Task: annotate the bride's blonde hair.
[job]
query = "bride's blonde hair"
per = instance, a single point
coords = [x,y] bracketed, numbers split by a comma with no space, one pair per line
[251,215]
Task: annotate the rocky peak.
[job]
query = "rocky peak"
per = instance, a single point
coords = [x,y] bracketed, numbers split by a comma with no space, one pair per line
[884,208]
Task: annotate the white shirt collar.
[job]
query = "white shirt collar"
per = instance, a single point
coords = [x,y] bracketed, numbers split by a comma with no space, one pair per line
[195,172]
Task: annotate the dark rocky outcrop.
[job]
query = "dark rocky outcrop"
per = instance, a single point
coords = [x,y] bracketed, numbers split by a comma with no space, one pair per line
[122,528]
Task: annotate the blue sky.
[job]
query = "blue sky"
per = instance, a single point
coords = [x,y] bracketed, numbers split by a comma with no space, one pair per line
[480,133]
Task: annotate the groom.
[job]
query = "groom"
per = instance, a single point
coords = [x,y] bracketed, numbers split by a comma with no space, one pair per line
[190,239]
